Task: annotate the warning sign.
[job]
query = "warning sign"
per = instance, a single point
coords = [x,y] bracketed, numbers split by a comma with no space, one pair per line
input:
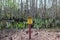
[29,20]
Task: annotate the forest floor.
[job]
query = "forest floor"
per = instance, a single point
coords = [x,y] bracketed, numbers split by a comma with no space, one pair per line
[42,34]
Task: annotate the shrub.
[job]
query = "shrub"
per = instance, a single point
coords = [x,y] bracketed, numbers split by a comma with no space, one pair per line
[38,23]
[47,23]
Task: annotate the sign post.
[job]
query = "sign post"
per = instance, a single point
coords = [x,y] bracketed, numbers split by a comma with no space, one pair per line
[29,21]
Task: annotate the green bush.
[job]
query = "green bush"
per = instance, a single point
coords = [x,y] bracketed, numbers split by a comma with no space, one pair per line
[47,23]
[20,25]
[38,23]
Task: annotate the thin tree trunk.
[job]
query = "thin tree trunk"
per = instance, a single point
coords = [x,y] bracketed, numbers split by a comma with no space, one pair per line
[54,9]
[36,10]
[44,13]
[30,7]
[0,7]
[41,8]
[26,8]
[21,7]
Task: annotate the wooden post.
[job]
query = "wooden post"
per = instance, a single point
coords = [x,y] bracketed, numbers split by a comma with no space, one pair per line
[29,31]
[29,21]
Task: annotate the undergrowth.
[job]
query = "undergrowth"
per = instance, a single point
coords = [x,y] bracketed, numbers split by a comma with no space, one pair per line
[37,23]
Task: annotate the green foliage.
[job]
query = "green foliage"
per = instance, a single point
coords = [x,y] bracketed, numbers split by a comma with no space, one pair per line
[19,25]
[9,25]
[0,28]
[11,4]
[47,23]
[38,23]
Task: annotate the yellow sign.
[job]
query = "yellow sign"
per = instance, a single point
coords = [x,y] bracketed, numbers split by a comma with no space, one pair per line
[29,20]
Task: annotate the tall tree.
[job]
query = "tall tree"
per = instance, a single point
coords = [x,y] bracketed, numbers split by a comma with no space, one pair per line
[59,1]
[54,8]
[33,7]
[44,12]
[36,9]
[0,7]
[27,7]
[40,8]
[21,7]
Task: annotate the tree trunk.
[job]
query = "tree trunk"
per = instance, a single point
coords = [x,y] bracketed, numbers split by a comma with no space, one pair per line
[21,8]
[54,8]
[44,13]
[40,8]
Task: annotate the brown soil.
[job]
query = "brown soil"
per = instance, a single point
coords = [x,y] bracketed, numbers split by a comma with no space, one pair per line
[41,34]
